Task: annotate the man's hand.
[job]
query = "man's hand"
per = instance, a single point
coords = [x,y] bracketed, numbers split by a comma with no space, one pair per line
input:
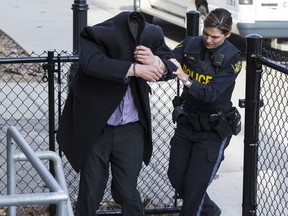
[145,56]
[148,72]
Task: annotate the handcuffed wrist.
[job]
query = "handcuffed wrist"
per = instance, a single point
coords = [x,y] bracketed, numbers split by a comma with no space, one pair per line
[134,69]
[158,61]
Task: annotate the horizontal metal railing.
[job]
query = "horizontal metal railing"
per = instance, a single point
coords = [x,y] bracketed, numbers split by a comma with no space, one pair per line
[59,193]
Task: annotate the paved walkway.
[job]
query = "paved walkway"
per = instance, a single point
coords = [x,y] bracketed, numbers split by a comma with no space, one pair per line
[42,25]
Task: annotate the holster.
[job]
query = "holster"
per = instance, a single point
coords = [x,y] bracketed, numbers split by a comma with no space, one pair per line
[223,128]
[177,113]
[177,101]
[234,120]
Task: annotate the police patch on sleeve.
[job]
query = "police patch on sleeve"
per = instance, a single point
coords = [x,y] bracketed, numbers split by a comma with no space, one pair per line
[237,67]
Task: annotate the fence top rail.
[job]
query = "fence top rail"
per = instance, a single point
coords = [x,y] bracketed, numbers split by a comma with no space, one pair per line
[73,58]
[30,59]
[22,59]
[270,63]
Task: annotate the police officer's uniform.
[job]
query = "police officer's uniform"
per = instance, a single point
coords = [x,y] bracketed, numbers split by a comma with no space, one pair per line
[203,114]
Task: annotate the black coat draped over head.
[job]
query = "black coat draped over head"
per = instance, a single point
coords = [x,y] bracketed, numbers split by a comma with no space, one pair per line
[105,55]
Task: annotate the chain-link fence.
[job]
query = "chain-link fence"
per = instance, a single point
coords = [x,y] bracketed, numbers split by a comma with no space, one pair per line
[272,175]
[266,132]
[33,93]
[24,103]
[34,89]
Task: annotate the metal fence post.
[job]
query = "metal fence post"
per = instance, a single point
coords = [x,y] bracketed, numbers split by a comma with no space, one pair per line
[51,104]
[79,8]
[79,21]
[192,29]
[251,129]
[192,23]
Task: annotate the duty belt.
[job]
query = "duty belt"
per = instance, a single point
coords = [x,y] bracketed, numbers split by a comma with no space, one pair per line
[199,121]
[225,124]
[202,121]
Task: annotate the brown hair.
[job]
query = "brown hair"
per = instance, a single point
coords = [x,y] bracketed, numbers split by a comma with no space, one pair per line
[219,18]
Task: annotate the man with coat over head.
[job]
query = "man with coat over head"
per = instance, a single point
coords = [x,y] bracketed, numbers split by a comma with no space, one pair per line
[106,120]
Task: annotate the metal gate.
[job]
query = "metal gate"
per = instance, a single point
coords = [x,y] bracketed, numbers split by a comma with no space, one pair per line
[266,129]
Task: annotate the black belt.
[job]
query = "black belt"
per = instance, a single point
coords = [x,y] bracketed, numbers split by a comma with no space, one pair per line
[123,125]
[225,123]
[199,122]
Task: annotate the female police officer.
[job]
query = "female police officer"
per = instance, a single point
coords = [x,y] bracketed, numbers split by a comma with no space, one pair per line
[208,66]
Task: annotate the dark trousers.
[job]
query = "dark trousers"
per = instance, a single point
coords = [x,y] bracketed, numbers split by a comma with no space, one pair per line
[121,147]
[195,157]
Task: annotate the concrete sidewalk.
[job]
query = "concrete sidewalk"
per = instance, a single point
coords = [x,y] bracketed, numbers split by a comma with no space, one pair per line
[38,25]
[42,25]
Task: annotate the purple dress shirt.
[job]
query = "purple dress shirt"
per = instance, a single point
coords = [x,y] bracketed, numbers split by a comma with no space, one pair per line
[126,112]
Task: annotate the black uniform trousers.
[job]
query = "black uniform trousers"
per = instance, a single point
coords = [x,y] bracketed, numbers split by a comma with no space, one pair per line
[195,157]
[120,147]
